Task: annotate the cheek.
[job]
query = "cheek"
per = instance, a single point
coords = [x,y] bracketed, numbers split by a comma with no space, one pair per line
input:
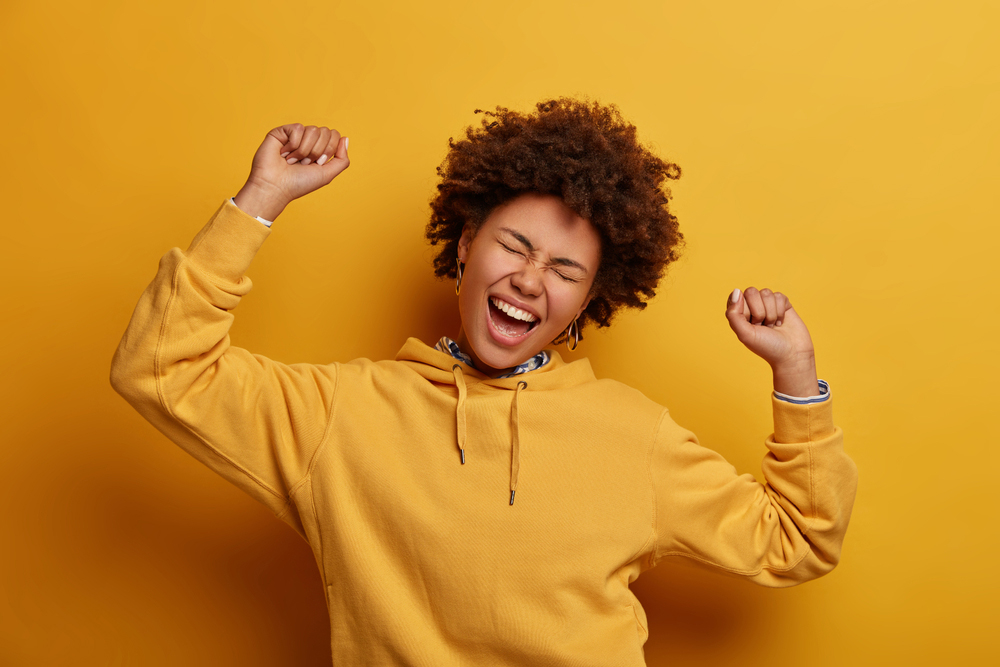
[490,268]
[565,298]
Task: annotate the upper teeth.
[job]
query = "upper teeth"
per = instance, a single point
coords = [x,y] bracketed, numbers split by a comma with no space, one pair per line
[516,313]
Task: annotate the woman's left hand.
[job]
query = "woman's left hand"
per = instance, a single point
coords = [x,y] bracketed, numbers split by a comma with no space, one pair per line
[765,322]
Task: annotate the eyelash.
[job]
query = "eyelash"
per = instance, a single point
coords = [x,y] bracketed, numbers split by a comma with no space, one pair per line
[518,252]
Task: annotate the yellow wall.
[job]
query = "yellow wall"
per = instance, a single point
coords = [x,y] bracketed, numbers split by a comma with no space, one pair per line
[844,152]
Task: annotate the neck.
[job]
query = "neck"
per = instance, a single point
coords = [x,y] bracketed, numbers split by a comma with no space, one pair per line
[463,343]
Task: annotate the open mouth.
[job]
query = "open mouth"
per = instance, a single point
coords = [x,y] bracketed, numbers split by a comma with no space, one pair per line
[509,321]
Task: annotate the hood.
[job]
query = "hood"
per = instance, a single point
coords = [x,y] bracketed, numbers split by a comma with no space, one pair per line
[442,368]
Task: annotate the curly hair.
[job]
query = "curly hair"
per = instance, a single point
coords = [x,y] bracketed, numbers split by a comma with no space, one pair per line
[584,153]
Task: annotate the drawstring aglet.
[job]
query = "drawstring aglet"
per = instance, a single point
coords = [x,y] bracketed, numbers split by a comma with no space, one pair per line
[512,496]
[462,451]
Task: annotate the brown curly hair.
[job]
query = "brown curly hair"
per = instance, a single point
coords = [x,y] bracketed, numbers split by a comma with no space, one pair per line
[584,153]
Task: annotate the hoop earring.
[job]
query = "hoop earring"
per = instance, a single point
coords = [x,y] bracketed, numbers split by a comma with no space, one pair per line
[573,334]
[458,281]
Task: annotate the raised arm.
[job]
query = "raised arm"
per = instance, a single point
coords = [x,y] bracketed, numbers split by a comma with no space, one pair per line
[790,528]
[254,421]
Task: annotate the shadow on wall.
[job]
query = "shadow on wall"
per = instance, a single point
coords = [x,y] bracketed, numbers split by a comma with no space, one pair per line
[699,616]
[159,573]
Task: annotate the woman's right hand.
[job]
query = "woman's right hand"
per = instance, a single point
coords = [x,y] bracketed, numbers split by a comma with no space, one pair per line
[292,161]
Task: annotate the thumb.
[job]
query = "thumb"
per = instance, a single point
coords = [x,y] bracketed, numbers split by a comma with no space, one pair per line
[738,315]
[340,161]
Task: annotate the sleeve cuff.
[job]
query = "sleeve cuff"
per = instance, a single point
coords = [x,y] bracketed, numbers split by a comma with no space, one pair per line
[228,243]
[267,223]
[803,422]
[824,395]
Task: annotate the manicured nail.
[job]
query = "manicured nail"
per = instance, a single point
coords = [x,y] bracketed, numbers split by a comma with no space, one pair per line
[322,160]
[347,143]
[778,323]
[292,160]
[736,296]
[306,160]
[285,154]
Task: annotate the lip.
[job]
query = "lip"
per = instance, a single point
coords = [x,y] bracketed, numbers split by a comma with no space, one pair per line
[509,341]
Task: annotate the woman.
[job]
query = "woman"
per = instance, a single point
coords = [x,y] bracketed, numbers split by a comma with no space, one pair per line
[482,501]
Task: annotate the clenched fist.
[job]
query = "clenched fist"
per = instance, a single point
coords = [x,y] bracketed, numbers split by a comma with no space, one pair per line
[293,161]
[765,322]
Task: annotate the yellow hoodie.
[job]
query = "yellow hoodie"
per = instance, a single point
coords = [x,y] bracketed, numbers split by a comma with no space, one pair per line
[425,559]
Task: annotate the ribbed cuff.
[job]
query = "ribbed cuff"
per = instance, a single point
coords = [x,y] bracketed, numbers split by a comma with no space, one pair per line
[228,243]
[824,394]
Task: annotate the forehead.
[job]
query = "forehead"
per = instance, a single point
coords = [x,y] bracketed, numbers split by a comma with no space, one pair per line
[548,223]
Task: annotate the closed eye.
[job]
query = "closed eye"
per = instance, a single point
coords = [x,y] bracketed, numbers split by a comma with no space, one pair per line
[566,278]
[511,250]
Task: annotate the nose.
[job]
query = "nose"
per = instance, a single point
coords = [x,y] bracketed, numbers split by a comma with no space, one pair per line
[528,280]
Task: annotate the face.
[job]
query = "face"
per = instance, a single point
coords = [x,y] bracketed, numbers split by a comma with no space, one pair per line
[528,273]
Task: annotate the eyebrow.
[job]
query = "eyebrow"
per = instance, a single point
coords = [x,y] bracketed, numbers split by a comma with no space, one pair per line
[562,261]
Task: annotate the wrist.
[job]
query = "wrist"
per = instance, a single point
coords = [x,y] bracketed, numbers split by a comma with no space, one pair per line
[797,378]
[260,200]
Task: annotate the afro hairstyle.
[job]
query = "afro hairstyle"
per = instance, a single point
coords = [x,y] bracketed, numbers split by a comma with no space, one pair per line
[587,155]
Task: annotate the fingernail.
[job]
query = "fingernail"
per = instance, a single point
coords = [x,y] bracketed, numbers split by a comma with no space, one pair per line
[778,323]
[736,296]
[292,160]
[347,143]
[306,160]
[285,154]
[322,160]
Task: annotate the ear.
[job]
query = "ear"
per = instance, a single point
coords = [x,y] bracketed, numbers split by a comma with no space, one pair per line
[586,302]
[465,241]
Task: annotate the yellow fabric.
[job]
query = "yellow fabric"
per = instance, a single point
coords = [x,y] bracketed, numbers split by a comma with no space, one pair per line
[426,560]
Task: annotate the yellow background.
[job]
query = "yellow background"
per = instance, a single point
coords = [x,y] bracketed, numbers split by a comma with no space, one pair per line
[843,152]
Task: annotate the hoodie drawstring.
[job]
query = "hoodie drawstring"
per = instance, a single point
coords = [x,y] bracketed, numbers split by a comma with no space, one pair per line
[515,440]
[515,429]
[460,409]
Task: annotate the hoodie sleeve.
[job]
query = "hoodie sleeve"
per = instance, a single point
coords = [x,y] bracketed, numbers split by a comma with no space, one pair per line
[783,532]
[256,422]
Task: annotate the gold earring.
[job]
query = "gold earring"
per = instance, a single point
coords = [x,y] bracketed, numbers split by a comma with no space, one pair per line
[573,334]
[458,281]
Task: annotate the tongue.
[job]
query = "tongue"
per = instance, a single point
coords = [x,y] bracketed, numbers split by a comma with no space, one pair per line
[506,324]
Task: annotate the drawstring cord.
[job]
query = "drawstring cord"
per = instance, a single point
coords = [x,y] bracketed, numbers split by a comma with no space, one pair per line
[515,441]
[515,429]
[460,409]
